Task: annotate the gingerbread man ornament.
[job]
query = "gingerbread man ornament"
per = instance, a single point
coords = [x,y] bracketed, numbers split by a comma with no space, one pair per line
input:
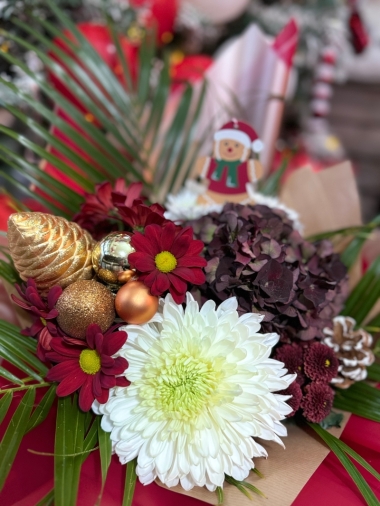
[229,174]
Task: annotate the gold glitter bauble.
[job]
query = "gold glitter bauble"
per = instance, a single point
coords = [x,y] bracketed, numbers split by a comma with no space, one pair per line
[83,303]
[49,249]
[110,256]
[134,303]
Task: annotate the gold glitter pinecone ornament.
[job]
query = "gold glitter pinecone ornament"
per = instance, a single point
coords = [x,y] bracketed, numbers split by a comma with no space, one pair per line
[49,249]
[352,348]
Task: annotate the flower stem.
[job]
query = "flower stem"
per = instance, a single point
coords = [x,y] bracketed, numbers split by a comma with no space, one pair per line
[26,387]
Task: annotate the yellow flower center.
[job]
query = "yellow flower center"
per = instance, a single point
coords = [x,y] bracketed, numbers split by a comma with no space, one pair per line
[327,362]
[89,361]
[165,261]
[182,387]
[43,321]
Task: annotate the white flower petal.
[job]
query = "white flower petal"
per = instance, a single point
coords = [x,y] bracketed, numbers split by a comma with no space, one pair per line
[202,384]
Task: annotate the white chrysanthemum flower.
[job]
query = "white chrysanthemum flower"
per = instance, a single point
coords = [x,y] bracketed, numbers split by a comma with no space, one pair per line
[183,206]
[202,385]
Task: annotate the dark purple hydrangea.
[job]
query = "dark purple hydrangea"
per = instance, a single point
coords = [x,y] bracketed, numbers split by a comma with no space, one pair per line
[254,253]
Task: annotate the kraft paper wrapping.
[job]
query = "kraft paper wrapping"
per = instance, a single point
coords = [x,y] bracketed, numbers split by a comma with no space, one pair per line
[326,200]
[285,472]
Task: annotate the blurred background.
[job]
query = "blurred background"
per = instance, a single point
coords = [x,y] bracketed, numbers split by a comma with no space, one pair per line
[332,109]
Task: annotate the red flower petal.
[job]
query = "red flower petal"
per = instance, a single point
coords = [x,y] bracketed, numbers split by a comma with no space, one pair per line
[53,295]
[106,361]
[56,357]
[191,261]
[114,342]
[86,396]
[118,367]
[153,234]
[179,297]
[60,371]
[71,384]
[140,242]
[195,276]
[160,285]
[149,279]
[99,342]
[142,262]
[36,327]
[167,236]
[21,303]
[92,330]
[121,381]
[57,344]
[107,381]
[180,247]
[179,285]
[96,385]
[103,397]
[195,248]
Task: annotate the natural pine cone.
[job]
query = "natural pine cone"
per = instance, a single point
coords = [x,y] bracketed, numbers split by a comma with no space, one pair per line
[352,348]
[49,249]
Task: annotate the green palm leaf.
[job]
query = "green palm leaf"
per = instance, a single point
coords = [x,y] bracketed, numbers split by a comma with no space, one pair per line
[129,143]
[341,450]
[365,294]
[14,434]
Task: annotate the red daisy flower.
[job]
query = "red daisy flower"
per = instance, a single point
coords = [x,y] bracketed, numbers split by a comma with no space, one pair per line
[44,326]
[139,215]
[167,258]
[88,366]
[98,213]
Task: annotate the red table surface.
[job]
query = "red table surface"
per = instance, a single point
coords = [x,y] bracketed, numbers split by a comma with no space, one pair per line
[31,476]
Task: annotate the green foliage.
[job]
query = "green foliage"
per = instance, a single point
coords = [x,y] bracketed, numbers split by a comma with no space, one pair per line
[271,185]
[14,433]
[220,495]
[351,253]
[365,294]
[130,483]
[342,451]
[69,446]
[332,420]
[244,487]
[20,351]
[361,399]
[127,138]
[374,372]
[105,450]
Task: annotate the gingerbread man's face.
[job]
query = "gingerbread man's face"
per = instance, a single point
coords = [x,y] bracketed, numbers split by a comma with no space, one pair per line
[231,150]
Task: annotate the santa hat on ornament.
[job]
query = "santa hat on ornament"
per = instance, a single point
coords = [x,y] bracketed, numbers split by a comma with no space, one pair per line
[240,132]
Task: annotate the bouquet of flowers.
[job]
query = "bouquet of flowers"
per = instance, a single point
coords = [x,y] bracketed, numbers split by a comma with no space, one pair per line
[175,345]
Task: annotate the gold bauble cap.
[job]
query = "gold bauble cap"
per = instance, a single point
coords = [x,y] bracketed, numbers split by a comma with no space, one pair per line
[49,249]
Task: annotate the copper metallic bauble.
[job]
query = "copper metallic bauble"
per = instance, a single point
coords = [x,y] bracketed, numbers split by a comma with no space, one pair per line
[49,249]
[110,256]
[134,303]
[83,303]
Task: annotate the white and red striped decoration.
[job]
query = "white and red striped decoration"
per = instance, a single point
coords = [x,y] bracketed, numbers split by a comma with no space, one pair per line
[324,78]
